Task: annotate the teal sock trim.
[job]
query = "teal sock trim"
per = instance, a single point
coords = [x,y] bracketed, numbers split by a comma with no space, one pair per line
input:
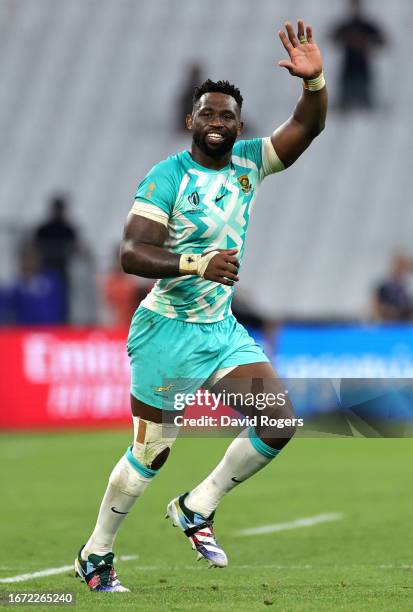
[138,466]
[260,446]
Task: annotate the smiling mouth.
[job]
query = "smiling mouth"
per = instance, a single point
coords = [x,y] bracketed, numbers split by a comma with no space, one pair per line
[215,137]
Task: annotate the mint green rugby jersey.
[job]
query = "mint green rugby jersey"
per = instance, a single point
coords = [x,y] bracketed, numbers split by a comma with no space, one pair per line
[203,210]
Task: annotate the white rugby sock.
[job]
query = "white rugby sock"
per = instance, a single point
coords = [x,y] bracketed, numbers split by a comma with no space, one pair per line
[128,480]
[124,488]
[244,457]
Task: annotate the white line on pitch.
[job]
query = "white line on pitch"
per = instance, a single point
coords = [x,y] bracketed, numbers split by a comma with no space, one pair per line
[47,572]
[51,571]
[301,522]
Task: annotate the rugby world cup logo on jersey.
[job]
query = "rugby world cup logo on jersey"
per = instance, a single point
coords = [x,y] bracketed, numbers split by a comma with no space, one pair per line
[245,183]
[193,199]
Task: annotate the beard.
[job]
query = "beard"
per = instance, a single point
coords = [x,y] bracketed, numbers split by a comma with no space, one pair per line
[217,151]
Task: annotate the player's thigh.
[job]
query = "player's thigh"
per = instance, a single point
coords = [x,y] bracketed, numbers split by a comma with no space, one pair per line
[154,433]
[256,389]
[151,413]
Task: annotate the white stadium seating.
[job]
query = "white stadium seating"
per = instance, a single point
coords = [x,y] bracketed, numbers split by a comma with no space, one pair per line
[87,105]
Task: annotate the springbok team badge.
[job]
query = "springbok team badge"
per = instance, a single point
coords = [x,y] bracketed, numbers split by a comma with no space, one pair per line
[245,183]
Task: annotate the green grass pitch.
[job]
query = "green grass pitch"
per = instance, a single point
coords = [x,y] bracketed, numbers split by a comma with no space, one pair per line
[52,485]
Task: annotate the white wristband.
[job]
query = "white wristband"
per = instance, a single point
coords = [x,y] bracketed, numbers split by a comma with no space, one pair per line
[315,84]
[189,263]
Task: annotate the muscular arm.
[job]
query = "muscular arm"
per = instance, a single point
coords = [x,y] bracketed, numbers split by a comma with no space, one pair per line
[142,251]
[292,138]
[142,254]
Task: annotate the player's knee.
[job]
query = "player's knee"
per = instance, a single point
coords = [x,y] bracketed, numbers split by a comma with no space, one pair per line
[153,442]
[278,423]
[278,434]
[290,428]
[144,458]
[289,421]
[160,459]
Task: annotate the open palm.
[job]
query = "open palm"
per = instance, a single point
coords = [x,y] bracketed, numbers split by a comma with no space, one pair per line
[305,57]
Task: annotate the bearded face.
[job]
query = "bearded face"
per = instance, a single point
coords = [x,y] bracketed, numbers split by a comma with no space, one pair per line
[215,124]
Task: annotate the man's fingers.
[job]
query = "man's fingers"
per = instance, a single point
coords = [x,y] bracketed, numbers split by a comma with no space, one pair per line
[232,277]
[234,261]
[300,29]
[228,251]
[291,34]
[287,45]
[310,34]
[230,259]
[286,64]
[223,267]
[224,281]
[227,273]
[230,268]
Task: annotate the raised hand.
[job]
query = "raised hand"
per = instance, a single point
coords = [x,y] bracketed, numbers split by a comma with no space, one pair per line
[305,57]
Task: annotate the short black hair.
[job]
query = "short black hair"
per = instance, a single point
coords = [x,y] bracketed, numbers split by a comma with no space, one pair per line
[224,87]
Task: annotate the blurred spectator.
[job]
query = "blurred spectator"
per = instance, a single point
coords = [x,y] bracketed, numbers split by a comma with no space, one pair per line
[38,296]
[122,293]
[358,36]
[194,78]
[392,299]
[57,241]
[6,312]
[56,238]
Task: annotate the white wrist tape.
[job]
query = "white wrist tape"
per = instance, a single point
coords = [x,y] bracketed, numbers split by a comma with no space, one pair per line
[315,84]
[190,263]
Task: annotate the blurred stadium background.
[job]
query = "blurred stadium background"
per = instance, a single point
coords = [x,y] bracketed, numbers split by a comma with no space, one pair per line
[88,104]
[90,101]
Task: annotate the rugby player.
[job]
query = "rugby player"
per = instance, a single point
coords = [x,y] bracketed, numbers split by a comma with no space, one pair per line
[187,228]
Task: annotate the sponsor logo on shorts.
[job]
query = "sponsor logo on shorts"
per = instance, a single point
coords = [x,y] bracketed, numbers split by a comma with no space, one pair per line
[163,389]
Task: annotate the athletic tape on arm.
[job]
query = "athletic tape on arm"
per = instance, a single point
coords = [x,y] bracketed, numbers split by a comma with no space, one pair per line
[191,263]
[271,163]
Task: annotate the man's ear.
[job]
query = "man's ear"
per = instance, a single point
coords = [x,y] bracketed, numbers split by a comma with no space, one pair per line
[189,122]
[240,128]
